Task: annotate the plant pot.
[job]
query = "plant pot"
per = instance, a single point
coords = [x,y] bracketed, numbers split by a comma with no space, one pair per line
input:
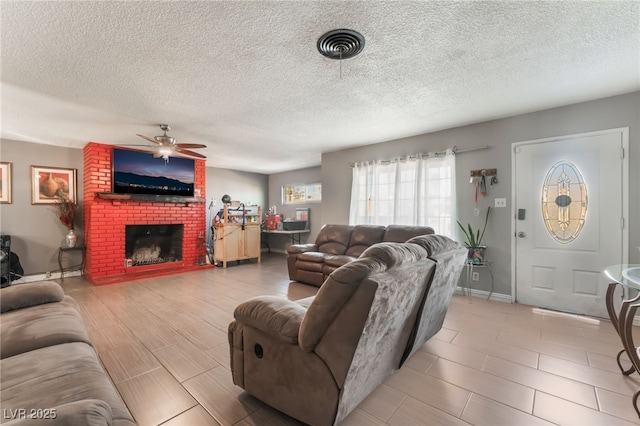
[475,255]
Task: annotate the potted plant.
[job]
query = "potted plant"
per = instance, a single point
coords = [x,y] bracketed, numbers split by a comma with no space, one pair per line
[66,212]
[474,240]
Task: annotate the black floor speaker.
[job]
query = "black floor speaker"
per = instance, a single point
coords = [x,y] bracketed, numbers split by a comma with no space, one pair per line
[5,260]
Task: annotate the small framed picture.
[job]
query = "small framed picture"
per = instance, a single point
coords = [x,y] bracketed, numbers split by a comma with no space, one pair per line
[5,183]
[50,184]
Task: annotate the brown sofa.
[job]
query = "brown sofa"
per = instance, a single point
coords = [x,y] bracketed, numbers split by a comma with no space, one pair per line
[49,371]
[337,245]
[316,359]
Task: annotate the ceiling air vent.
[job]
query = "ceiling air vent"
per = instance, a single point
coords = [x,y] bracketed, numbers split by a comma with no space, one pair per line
[341,44]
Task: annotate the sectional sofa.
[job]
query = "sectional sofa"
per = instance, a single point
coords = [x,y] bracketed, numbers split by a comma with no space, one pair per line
[316,359]
[49,371]
[337,245]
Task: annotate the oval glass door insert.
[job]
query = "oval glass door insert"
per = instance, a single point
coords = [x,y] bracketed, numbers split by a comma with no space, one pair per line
[564,201]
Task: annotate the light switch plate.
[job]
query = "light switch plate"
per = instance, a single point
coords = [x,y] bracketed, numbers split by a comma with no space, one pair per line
[476,211]
[501,202]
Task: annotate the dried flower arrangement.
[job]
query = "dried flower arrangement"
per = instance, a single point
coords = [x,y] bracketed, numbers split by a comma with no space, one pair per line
[66,211]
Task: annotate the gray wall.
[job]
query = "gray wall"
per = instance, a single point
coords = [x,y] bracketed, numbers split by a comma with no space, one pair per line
[35,231]
[37,234]
[248,188]
[301,176]
[614,112]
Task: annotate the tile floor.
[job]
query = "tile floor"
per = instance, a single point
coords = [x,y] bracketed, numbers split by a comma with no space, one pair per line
[164,343]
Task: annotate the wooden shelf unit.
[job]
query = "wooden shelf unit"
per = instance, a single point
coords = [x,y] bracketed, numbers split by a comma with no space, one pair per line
[237,235]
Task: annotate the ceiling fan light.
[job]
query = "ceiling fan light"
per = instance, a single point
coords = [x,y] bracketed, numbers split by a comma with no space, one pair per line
[166,146]
[166,140]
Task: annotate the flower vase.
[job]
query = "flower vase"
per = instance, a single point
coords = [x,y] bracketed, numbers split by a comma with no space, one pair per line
[71,238]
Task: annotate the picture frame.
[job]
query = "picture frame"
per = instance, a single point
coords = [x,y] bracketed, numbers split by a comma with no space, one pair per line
[49,184]
[302,193]
[5,183]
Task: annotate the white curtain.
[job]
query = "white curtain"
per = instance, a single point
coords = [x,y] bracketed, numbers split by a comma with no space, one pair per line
[406,191]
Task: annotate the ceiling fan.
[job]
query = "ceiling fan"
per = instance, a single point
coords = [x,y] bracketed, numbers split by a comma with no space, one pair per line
[166,146]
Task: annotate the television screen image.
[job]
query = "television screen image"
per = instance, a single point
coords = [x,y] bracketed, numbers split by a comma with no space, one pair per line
[137,172]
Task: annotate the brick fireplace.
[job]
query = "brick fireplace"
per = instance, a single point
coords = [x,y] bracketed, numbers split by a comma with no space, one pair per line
[106,220]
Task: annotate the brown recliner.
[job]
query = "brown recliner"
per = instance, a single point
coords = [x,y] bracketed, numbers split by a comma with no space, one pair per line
[337,245]
[318,358]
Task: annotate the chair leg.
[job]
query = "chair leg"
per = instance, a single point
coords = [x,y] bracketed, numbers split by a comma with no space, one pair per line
[635,403]
[625,372]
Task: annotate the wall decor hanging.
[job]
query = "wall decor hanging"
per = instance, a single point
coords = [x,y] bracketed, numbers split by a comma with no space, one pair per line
[51,184]
[5,183]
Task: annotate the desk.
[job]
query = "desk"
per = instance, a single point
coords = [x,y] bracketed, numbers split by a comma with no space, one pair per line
[470,267]
[64,250]
[294,236]
[627,276]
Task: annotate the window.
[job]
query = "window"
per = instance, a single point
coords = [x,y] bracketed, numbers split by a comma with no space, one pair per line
[564,202]
[299,194]
[411,191]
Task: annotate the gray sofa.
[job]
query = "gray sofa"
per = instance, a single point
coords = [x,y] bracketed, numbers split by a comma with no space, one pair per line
[316,359]
[337,245]
[49,371]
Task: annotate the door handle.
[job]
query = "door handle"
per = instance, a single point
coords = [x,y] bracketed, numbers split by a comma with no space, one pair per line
[521,234]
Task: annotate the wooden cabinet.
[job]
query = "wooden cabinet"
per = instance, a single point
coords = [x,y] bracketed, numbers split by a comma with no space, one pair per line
[237,235]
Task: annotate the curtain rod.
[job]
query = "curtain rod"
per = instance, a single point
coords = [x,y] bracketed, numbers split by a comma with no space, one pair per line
[439,153]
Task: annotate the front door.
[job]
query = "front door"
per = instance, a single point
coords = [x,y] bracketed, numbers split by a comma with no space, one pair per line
[569,198]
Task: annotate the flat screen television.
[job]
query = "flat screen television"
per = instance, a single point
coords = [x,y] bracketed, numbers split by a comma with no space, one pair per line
[138,172]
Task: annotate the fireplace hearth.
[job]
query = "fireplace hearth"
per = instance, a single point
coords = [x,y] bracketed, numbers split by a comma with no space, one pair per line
[153,244]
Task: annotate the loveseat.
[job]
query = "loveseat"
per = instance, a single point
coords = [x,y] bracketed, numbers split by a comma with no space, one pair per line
[49,372]
[317,358]
[337,245]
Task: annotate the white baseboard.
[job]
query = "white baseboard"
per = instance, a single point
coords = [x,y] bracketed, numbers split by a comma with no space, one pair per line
[497,297]
[506,298]
[44,277]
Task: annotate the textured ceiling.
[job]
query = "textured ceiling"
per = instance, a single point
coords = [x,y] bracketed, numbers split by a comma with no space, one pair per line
[245,78]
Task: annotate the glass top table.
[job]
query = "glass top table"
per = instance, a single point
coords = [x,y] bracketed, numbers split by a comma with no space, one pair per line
[628,276]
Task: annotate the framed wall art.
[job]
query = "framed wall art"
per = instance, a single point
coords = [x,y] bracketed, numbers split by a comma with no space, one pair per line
[5,183]
[50,184]
[301,193]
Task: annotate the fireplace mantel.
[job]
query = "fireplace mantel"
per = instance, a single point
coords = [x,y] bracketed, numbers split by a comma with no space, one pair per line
[148,198]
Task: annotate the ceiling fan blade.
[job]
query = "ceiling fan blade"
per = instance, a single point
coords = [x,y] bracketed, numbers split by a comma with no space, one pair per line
[190,153]
[149,139]
[190,145]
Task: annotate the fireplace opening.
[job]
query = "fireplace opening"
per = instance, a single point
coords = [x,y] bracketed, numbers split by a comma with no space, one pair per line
[153,244]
